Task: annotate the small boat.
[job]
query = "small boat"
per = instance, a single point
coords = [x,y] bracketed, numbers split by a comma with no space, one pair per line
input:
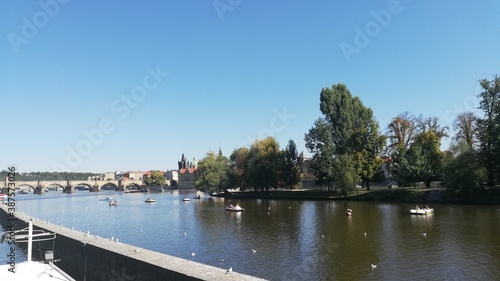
[106,199]
[113,202]
[150,200]
[422,211]
[236,208]
[197,197]
[186,199]
[349,212]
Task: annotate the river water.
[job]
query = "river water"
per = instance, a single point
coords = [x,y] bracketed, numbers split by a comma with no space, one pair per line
[292,240]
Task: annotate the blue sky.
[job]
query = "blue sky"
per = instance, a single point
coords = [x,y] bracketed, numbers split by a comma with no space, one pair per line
[131,85]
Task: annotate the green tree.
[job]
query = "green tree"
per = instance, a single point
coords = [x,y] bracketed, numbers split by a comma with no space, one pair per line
[489,127]
[290,172]
[212,173]
[352,130]
[414,146]
[463,172]
[320,143]
[156,178]
[264,164]
[238,168]
[345,173]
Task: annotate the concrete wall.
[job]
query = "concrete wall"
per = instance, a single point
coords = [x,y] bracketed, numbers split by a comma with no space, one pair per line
[95,259]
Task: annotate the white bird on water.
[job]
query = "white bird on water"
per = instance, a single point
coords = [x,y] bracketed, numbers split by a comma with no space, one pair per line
[364,233]
[424,234]
[193,254]
[322,236]
[229,270]
[374,266]
[254,251]
[185,233]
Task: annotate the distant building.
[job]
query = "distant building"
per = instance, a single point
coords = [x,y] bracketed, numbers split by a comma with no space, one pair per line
[119,175]
[136,175]
[187,173]
[170,176]
[305,164]
[109,176]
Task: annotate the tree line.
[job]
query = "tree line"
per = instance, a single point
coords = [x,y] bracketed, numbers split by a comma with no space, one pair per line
[262,166]
[49,176]
[349,149]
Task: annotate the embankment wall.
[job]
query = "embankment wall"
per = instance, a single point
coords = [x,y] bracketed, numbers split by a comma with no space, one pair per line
[89,258]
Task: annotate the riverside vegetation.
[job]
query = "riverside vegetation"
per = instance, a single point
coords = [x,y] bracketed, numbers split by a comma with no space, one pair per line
[348,149]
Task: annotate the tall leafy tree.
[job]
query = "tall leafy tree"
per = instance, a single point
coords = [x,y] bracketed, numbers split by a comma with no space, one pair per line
[465,126]
[264,163]
[415,148]
[463,172]
[489,126]
[212,173]
[320,143]
[353,132]
[238,163]
[290,172]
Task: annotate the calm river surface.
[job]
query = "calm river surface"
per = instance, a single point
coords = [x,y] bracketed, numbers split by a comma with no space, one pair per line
[293,240]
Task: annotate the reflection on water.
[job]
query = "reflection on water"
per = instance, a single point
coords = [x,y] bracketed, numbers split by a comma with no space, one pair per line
[293,240]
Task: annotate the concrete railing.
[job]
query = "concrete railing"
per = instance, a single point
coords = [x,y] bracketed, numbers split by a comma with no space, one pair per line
[89,258]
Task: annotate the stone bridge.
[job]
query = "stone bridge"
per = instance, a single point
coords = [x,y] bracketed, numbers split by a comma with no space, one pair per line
[69,185]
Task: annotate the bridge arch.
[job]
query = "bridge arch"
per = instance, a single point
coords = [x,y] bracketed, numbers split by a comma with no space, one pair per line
[54,184]
[109,186]
[30,187]
[133,186]
[82,184]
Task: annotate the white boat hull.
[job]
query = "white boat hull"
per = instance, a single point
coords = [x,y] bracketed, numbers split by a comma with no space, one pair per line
[422,211]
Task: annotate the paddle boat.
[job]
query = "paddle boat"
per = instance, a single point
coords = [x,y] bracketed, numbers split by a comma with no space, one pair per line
[422,211]
[236,208]
[150,200]
[186,199]
[113,202]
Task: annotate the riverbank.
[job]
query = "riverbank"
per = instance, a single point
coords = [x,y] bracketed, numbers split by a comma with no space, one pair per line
[486,196]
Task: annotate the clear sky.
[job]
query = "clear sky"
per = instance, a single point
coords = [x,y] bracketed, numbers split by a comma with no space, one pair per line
[95,86]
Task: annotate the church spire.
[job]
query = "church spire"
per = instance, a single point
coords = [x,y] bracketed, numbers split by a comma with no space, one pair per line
[220,151]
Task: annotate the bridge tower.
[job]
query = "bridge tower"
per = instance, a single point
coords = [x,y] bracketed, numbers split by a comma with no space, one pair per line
[95,187]
[120,186]
[39,189]
[68,188]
